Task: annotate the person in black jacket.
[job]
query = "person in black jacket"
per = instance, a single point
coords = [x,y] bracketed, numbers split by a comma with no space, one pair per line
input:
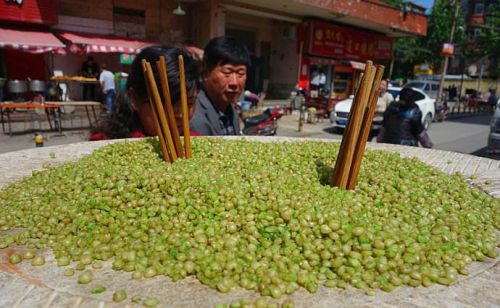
[402,123]
[90,69]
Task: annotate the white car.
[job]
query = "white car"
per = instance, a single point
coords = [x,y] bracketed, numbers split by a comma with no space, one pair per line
[494,136]
[338,118]
[430,87]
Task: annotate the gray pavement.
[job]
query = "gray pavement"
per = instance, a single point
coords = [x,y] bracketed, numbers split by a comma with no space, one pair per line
[25,125]
[457,137]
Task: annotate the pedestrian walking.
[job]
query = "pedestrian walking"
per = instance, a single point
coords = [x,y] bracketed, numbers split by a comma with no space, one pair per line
[402,123]
[107,80]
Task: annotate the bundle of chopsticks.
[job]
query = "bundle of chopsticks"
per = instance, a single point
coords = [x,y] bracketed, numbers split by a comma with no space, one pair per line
[358,128]
[163,112]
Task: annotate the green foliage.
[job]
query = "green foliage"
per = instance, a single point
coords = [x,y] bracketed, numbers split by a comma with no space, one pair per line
[408,52]
[489,39]
[411,51]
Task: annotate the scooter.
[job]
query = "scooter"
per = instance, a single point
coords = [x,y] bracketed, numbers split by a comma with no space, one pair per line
[265,124]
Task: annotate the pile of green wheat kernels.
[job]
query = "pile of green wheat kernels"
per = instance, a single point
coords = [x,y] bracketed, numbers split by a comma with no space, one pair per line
[260,216]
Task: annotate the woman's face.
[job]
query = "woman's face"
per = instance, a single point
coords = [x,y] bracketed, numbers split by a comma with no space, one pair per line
[191,103]
[145,113]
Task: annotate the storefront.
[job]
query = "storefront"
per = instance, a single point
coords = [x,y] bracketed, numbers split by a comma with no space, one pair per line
[117,53]
[336,54]
[25,37]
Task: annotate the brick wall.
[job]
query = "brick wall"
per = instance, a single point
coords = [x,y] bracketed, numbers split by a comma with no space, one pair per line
[31,12]
[160,24]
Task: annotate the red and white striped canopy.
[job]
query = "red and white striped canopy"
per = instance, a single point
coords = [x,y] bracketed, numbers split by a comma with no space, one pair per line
[94,43]
[30,41]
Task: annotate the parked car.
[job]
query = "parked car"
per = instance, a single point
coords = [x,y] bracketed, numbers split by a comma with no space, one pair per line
[430,87]
[394,91]
[338,118]
[494,136]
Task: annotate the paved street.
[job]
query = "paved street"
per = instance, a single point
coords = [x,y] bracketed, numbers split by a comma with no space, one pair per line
[463,134]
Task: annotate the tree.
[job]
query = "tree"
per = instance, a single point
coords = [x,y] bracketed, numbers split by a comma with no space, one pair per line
[488,44]
[408,52]
[412,51]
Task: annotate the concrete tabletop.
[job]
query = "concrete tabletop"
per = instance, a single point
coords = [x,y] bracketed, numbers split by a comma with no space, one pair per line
[26,286]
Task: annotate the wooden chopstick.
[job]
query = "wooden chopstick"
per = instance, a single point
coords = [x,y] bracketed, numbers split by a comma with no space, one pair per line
[185,111]
[365,129]
[163,146]
[160,113]
[346,152]
[162,70]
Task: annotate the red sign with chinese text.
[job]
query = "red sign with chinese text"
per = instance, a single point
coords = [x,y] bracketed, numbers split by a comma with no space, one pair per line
[29,11]
[330,40]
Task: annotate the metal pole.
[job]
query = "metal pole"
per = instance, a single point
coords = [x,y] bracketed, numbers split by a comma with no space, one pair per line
[481,71]
[391,67]
[445,64]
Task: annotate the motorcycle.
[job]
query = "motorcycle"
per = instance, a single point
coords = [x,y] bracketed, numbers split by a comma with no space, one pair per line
[265,124]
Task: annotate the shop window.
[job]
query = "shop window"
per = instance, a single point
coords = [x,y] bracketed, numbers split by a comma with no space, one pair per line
[130,23]
[475,33]
[341,83]
[340,86]
[247,37]
[479,8]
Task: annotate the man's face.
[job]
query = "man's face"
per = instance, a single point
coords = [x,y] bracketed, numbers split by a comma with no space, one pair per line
[224,84]
[383,86]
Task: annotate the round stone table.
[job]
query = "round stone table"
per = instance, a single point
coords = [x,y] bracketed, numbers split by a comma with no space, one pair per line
[26,286]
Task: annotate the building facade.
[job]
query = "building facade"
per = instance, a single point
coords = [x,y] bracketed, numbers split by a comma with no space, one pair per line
[281,35]
[476,13]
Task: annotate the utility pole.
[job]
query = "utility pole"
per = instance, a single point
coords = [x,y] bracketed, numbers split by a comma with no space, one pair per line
[446,58]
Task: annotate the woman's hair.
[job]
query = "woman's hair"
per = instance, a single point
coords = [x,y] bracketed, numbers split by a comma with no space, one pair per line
[123,120]
[407,99]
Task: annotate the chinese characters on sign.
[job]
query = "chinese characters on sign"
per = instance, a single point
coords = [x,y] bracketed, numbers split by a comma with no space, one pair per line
[334,41]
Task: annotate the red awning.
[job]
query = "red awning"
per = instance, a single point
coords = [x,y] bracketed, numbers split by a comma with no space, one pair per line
[98,43]
[30,41]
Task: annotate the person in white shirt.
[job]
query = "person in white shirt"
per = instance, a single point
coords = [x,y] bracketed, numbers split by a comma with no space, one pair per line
[322,80]
[315,80]
[107,80]
[384,99]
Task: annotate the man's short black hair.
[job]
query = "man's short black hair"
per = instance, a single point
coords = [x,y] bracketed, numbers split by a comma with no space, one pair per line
[225,50]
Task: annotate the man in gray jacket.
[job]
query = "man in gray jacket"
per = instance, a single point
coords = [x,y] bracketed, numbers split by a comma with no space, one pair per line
[225,65]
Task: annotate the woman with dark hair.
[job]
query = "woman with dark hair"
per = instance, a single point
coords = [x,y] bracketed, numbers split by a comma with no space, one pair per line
[132,116]
[402,123]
